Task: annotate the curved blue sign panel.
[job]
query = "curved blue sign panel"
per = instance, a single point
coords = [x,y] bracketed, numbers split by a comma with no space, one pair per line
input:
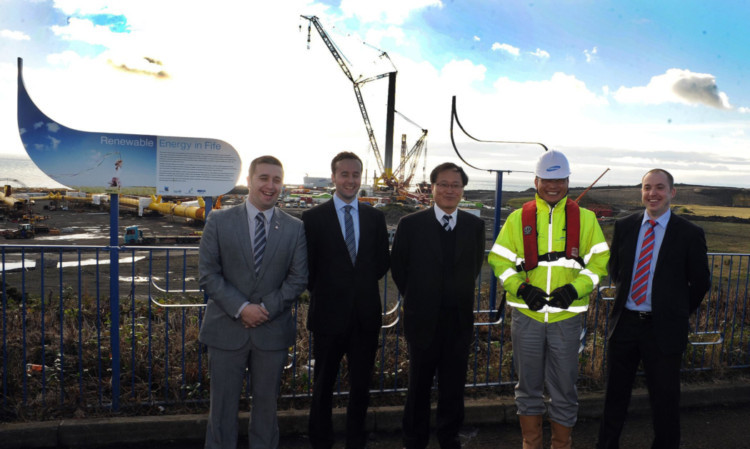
[121,162]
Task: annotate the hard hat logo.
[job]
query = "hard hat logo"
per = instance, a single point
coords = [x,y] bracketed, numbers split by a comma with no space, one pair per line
[552,165]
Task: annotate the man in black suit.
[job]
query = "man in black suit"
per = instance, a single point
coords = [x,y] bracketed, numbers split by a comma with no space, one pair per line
[347,256]
[436,257]
[660,268]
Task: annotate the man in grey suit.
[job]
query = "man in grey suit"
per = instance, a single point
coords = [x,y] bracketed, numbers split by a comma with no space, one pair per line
[253,266]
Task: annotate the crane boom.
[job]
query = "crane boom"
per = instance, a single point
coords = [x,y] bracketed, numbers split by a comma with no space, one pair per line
[313,20]
[592,185]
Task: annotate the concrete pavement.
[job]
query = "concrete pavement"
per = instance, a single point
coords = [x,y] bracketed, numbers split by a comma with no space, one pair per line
[488,423]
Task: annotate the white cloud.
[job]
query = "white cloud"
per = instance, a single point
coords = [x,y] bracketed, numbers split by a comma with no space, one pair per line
[590,54]
[477,39]
[14,35]
[676,86]
[85,31]
[506,48]
[376,36]
[53,127]
[743,110]
[463,72]
[63,59]
[386,11]
[541,54]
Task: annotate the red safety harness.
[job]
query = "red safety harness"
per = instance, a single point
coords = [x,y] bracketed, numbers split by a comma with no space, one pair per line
[530,247]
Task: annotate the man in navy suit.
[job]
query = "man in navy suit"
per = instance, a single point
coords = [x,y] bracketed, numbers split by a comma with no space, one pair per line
[660,269]
[347,247]
[436,258]
[253,266]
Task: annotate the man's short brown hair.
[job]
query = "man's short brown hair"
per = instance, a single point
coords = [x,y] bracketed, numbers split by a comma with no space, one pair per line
[264,160]
[345,155]
[666,173]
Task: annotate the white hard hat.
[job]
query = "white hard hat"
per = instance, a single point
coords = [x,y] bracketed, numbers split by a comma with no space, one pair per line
[552,165]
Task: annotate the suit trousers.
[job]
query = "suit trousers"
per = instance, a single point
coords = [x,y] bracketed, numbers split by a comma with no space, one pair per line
[631,342]
[447,355]
[546,354]
[360,348]
[227,370]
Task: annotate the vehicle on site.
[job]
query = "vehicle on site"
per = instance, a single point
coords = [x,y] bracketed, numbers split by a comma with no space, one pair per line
[135,236]
[24,231]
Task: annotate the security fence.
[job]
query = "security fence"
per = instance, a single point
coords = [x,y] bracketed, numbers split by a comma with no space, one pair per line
[57,331]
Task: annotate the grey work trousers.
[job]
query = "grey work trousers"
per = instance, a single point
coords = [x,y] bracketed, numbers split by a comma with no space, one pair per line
[546,354]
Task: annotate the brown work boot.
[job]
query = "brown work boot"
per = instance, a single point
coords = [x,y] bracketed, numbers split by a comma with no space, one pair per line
[531,430]
[561,436]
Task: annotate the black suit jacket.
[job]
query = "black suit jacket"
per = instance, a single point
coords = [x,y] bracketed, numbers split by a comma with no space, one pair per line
[681,277]
[343,294]
[417,264]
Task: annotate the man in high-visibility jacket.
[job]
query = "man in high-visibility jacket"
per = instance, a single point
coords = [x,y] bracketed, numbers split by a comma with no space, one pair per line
[549,257]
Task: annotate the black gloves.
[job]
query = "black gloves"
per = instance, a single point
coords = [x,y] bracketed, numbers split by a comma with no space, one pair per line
[534,297]
[563,297]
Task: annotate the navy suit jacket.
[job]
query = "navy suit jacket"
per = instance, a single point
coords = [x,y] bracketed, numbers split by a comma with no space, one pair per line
[342,293]
[681,277]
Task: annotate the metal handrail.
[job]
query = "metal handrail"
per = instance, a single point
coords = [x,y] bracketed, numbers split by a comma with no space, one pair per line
[491,323]
[718,341]
[163,290]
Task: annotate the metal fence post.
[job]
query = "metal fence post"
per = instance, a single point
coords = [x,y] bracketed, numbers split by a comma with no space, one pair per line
[114,297]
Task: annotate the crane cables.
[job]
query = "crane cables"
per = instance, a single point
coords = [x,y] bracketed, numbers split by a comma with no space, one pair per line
[454,118]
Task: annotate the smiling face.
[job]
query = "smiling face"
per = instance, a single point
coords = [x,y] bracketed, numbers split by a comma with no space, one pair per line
[551,190]
[347,178]
[265,185]
[448,190]
[656,193]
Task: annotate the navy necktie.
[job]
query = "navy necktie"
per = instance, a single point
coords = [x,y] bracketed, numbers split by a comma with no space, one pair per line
[447,222]
[259,242]
[349,232]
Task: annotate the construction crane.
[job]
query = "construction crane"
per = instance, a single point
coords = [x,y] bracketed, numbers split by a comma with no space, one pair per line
[403,174]
[385,167]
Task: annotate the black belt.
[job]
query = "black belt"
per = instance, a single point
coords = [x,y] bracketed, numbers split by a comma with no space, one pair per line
[638,314]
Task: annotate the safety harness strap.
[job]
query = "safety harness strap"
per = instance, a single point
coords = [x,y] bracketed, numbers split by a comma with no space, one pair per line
[530,235]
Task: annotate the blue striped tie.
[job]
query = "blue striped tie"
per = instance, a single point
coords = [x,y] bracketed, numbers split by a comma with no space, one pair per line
[447,222]
[349,233]
[259,242]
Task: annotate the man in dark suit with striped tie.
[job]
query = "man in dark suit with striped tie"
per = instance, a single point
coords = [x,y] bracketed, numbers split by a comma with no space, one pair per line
[659,265]
[347,255]
[436,258]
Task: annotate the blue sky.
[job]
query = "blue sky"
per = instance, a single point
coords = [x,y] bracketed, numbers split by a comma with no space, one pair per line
[622,85]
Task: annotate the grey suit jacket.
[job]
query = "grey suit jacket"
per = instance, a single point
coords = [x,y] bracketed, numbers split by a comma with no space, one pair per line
[227,275]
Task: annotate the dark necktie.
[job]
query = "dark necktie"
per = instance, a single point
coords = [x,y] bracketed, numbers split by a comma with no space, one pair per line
[447,222]
[640,280]
[349,233]
[259,242]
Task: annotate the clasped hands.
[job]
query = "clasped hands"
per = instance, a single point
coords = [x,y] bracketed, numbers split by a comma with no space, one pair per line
[536,298]
[253,315]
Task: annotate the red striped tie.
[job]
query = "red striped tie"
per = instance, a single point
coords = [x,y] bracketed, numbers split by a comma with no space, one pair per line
[640,280]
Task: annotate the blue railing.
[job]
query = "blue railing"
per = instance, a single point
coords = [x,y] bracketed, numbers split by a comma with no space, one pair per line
[57,329]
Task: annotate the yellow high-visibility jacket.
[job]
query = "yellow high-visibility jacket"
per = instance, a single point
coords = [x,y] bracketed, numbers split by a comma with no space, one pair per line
[508,253]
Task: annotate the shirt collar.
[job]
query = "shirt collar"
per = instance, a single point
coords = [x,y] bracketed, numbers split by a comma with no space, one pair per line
[339,203]
[440,212]
[252,211]
[662,221]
